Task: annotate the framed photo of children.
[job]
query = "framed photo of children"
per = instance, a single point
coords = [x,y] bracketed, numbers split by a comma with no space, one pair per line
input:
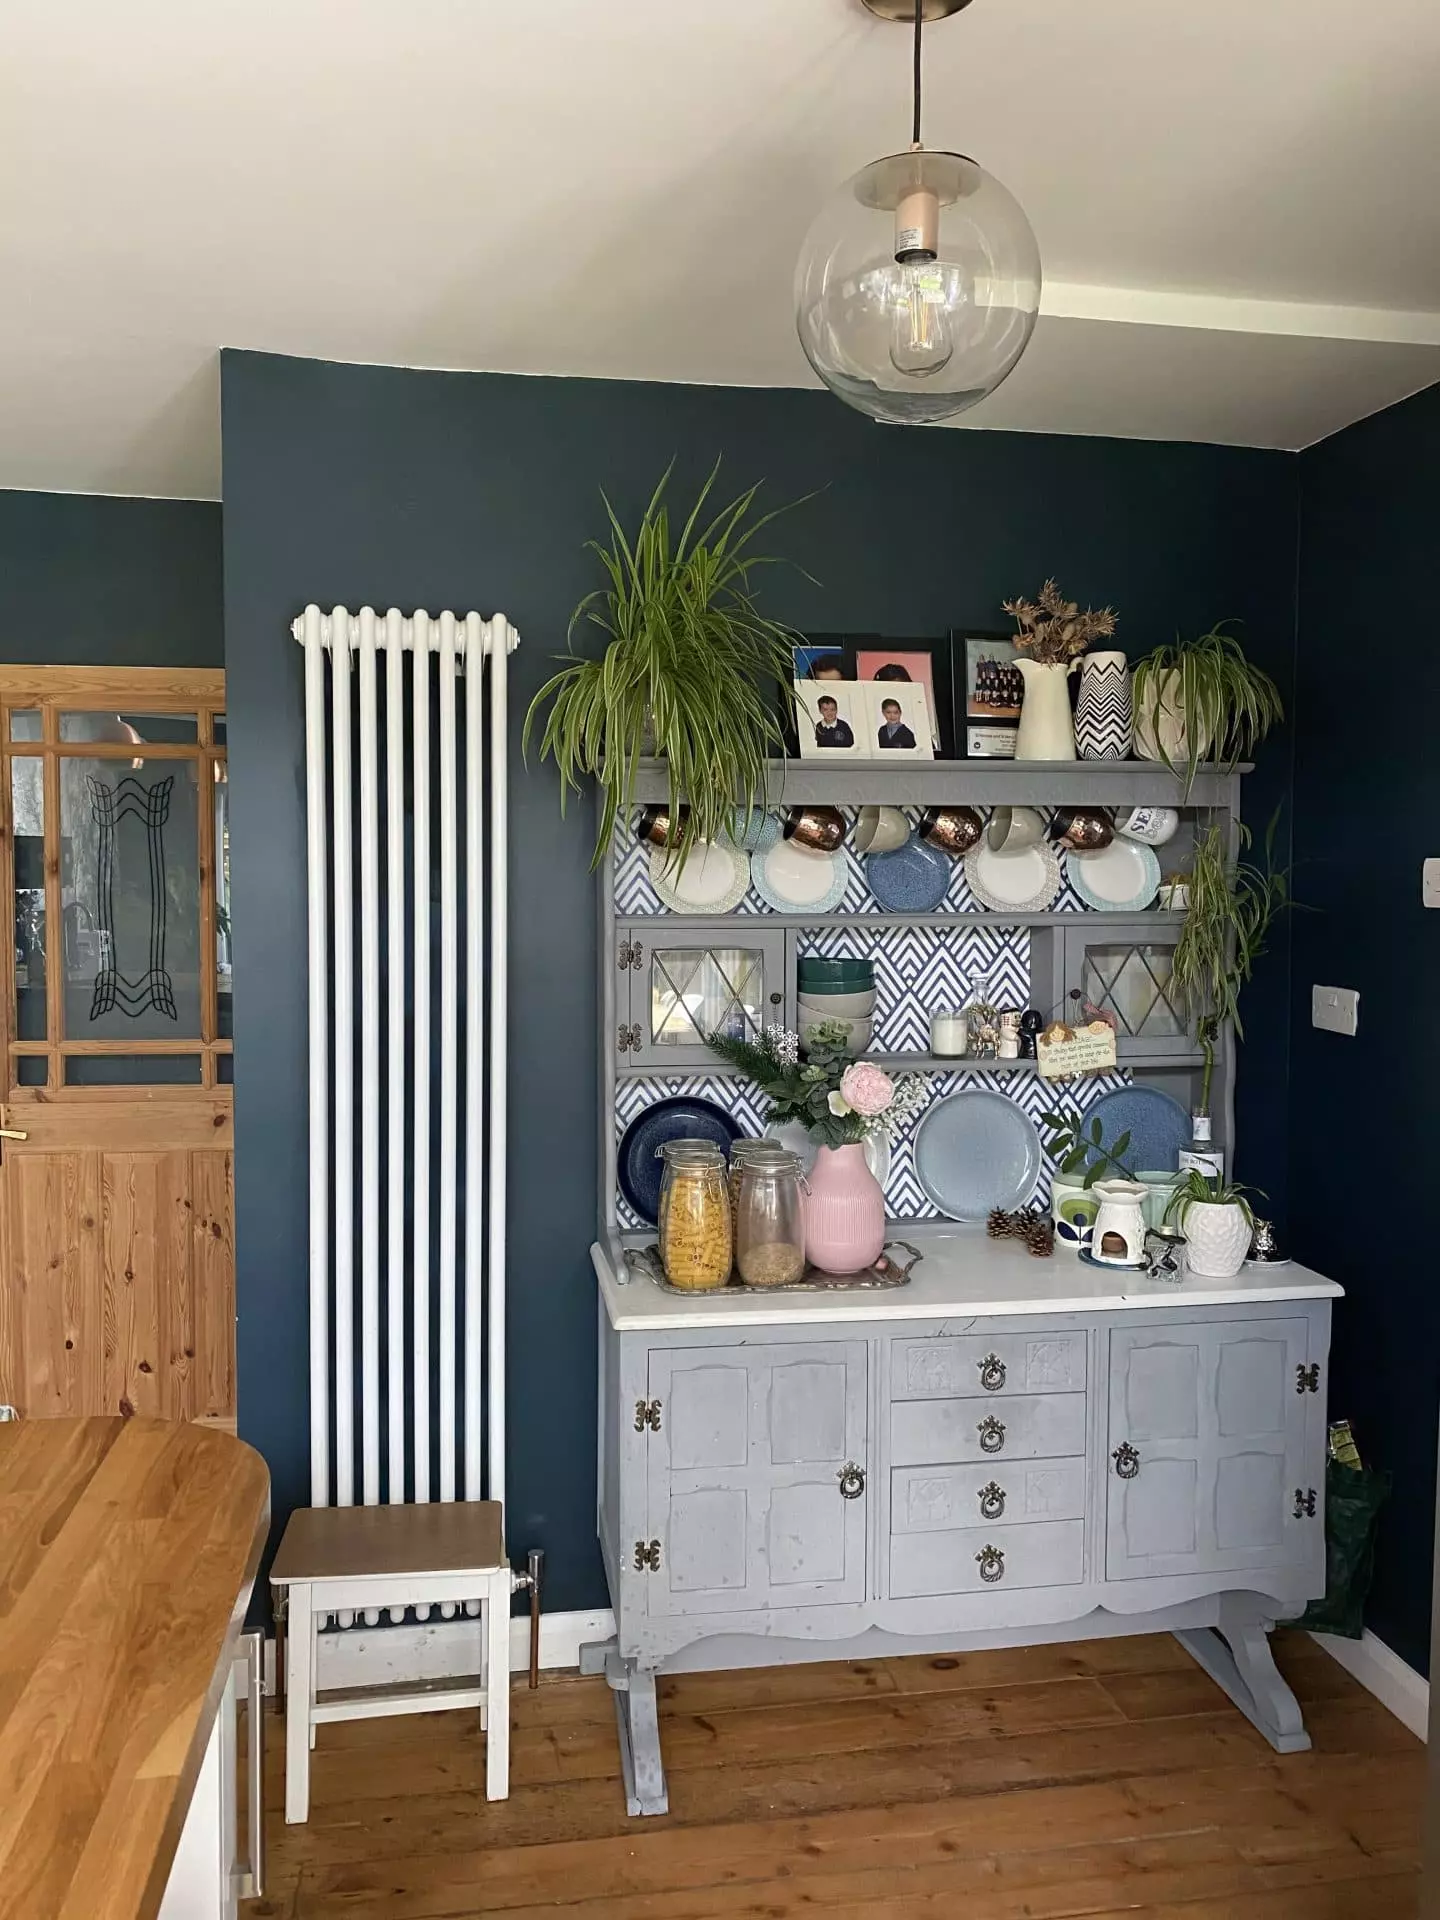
[832,720]
[900,724]
[818,658]
[992,693]
[922,663]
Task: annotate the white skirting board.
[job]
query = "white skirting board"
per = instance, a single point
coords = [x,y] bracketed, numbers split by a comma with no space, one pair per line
[1383,1673]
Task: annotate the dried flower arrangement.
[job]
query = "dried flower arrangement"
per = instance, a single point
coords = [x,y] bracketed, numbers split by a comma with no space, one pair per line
[1053,629]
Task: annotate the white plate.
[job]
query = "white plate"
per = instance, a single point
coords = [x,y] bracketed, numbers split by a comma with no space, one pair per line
[1122,878]
[713,879]
[797,1138]
[796,879]
[1023,881]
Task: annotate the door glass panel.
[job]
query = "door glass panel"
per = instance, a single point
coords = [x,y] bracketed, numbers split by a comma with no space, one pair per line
[217,729]
[31,1070]
[132,1070]
[130,892]
[25,723]
[697,991]
[1133,983]
[223,965]
[112,729]
[27,804]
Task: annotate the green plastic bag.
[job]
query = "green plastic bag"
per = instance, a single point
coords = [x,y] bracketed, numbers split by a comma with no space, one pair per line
[1353,1499]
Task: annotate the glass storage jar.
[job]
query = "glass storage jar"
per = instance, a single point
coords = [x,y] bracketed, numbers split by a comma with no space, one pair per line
[746,1151]
[696,1242]
[770,1221]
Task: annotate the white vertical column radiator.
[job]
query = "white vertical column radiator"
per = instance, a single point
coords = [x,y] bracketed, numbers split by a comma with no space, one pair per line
[407,1127]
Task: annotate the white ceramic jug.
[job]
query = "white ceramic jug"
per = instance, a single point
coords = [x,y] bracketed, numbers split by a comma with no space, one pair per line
[1118,1239]
[1047,731]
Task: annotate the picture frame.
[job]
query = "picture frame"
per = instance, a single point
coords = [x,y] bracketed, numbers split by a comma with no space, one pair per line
[812,651]
[989,692]
[900,725]
[927,662]
[832,719]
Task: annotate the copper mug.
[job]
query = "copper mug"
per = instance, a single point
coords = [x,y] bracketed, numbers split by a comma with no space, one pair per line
[657,826]
[954,830]
[822,828]
[1082,829]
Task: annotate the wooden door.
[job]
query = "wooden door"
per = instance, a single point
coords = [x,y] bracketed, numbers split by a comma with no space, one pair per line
[117,1290]
[1217,1440]
[745,1477]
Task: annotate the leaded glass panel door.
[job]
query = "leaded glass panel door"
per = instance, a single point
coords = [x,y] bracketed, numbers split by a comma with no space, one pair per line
[685,985]
[1124,970]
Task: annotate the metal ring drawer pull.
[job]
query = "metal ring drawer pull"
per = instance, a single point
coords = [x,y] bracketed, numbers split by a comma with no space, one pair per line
[1127,1461]
[992,1434]
[992,1501]
[852,1481]
[991,1561]
[992,1373]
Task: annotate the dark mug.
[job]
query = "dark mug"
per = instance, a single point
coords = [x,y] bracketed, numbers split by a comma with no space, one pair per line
[954,830]
[1082,829]
[656,826]
[822,828]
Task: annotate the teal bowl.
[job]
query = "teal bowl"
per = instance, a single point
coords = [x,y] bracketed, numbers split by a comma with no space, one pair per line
[836,976]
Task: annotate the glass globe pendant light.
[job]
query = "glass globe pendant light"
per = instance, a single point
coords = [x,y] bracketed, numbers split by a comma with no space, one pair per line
[918,284]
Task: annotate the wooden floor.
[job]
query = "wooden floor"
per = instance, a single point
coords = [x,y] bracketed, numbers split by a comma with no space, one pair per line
[1099,1778]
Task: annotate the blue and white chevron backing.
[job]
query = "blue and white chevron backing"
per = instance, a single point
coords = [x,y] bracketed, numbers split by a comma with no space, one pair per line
[919,970]
[904,1199]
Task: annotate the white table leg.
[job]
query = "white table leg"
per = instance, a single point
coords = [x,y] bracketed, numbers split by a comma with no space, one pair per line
[497,1689]
[299,1700]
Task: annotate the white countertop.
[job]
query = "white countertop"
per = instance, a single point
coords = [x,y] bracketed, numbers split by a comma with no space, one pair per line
[963,1273]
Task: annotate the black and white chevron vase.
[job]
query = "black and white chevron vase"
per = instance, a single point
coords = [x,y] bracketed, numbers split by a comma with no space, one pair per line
[1104,711]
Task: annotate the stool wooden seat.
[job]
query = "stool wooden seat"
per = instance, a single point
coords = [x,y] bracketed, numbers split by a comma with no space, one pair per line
[348,1559]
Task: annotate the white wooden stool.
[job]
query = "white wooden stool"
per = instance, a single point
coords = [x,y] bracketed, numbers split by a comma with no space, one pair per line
[347,1559]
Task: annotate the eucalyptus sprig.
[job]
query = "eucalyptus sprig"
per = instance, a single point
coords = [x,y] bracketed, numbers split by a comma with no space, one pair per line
[690,657]
[1224,704]
[1076,1143]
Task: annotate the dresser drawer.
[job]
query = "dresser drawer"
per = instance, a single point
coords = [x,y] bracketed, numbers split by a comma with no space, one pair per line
[1044,1426]
[1043,1553]
[990,1366]
[936,1499]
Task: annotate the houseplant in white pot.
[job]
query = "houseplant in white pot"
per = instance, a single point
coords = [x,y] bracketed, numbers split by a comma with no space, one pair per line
[1202,699]
[1053,633]
[1215,1216]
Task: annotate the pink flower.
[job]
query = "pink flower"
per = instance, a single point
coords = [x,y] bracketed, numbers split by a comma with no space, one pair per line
[866,1089]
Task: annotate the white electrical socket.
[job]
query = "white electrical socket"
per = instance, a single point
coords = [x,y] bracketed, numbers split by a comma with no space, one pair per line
[1430,884]
[1335,1009]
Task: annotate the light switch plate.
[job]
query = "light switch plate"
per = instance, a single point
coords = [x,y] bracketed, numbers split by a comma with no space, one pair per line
[1335,1009]
[1430,884]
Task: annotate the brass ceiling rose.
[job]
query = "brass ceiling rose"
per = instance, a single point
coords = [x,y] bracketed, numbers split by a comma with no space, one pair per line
[904,10]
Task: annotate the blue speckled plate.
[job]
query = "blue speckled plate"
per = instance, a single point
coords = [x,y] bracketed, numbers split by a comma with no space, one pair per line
[910,879]
[1159,1127]
[975,1150]
[636,1167]
[753,832]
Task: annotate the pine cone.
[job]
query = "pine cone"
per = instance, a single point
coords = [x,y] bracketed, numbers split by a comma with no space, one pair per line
[998,1225]
[1040,1238]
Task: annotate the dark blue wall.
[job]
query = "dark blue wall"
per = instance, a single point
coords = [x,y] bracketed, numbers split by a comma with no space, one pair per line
[91,581]
[1367,812]
[387,487]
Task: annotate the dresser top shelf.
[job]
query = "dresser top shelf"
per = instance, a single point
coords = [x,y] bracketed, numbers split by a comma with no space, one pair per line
[855,783]
[963,1273]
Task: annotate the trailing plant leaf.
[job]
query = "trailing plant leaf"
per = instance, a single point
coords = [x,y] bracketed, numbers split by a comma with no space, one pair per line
[1224,702]
[689,657]
[1195,1188]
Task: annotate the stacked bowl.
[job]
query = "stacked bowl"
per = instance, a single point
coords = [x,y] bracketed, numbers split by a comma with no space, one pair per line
[842,990]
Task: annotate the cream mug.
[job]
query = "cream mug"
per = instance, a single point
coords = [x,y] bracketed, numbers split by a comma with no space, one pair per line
[879,830]
[1013,828]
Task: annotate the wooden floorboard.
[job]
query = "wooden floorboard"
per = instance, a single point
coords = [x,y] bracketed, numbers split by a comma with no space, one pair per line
[1095,1778]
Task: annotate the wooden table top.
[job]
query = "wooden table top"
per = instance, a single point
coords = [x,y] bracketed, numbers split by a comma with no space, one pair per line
[127,1551]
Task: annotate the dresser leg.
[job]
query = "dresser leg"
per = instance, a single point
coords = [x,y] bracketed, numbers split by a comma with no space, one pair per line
[638,1721]
[1236,1654]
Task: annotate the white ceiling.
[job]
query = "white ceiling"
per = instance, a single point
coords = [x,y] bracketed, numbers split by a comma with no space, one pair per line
[1237,203]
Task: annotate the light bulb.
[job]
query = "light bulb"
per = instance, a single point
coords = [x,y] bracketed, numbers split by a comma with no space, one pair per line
[921,340]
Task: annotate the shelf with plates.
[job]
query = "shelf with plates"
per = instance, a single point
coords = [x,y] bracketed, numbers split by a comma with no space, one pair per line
[734,923]
[923,783]
[1146,1063]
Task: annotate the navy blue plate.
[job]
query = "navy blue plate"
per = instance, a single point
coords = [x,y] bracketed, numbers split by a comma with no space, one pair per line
[639,1172]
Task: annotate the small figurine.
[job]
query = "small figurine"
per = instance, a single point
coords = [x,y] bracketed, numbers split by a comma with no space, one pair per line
[1031,1025]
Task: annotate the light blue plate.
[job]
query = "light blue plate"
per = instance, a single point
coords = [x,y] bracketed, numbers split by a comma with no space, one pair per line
[910,879]
[1159,1127]
[1122,878]
[829,871]
[975,1150]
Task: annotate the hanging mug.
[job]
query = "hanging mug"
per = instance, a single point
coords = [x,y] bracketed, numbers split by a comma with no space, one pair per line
[1153,826]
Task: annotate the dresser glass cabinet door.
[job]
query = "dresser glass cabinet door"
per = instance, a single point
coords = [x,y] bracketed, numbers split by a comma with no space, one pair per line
[1123,969]
[681,985]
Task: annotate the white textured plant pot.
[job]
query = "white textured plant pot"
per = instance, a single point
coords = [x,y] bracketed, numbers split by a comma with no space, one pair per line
[1217,1239]
[1160,729]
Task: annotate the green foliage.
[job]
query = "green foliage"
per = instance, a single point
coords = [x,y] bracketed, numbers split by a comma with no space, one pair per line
[1233,904]
[1209,1190]
[1077,1144]
[799,1091]
[689,657]
[1227,704]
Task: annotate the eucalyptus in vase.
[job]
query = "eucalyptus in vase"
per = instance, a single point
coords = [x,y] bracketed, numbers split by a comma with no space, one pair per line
[1053,633]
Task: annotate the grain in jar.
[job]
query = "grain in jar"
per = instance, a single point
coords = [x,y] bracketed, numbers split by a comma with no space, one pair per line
[770,1222]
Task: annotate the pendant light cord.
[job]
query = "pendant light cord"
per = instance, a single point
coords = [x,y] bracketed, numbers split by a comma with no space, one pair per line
[919,22]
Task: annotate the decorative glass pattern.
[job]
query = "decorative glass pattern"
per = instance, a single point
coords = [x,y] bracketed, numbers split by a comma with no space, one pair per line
[1133,983]
[697,991]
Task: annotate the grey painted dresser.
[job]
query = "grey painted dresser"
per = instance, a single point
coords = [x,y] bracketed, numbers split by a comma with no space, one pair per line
[1006,1451]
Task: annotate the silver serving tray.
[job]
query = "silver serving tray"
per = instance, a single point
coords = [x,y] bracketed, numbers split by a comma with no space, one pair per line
[887,1272]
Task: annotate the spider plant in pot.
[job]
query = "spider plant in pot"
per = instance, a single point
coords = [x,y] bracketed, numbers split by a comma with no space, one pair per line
[1217,1220]
[690,669]
[1202,699]
[1232,906]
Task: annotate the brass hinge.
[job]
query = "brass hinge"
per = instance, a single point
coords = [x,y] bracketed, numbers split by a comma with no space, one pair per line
[647,1558]
[627,1038]
[630,956]
[647,1414]
[1304,1503]
[1307,1379]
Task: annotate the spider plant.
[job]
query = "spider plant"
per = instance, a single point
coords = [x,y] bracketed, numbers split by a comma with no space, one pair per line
[1233,904]
[1197,1189]
[690,658]
[1203,697]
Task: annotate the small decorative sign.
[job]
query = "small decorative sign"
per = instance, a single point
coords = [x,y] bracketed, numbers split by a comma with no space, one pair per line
[1064,1052]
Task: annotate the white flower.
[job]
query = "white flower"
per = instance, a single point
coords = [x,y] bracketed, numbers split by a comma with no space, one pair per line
[784,1044]
[838,1104]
